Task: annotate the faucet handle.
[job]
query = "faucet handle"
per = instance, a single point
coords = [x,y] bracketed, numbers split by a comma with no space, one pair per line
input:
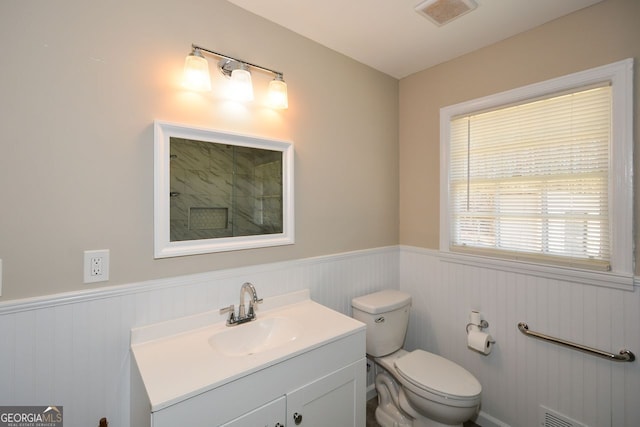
[231,310]
[224,310]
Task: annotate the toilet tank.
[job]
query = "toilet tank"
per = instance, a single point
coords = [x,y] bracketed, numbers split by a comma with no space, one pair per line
[386,314]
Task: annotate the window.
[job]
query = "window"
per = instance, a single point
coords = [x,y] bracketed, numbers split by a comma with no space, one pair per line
[543,173]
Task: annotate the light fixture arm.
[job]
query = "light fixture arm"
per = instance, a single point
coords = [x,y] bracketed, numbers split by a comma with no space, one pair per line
[278,74]
[196,77]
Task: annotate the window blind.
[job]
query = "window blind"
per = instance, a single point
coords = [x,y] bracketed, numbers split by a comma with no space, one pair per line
[531,180]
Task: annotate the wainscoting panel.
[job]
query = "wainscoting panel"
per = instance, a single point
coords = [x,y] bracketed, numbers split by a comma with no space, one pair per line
[522,373]
[72,350]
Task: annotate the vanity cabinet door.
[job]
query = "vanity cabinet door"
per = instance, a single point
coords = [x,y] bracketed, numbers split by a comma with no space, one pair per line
[270,415]
[333,400]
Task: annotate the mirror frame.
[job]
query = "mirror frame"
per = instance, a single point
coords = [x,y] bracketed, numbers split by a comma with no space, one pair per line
[163,246]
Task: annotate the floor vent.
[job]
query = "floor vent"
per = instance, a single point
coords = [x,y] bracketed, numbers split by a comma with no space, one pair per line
[551,418]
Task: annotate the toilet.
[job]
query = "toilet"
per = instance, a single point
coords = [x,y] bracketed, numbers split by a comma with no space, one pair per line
[415,388]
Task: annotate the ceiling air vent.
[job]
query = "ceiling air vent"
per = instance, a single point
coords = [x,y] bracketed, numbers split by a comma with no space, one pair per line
[441,12]
[551,418]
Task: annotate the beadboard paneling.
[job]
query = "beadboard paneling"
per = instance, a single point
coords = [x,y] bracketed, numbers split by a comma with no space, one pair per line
[522,373]
[73,349]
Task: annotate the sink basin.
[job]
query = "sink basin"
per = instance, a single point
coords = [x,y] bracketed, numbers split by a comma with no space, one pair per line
[187,357]
[255,337]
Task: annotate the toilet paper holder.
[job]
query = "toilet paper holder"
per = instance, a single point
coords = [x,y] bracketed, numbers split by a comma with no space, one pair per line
[482,325]
[476,319]
[477,339]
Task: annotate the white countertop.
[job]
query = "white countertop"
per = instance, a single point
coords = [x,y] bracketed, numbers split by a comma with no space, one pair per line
[176,361]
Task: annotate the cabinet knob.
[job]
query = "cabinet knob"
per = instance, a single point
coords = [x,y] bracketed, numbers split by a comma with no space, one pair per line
[297,418]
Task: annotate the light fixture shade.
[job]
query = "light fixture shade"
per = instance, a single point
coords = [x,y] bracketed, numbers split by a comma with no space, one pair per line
[196,73]
[242,88]
[277,95]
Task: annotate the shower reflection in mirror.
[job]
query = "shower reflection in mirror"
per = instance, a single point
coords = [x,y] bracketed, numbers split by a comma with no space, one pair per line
[223,192]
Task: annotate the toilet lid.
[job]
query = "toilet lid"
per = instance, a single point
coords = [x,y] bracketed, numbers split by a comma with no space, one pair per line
[437,375]
[382,301]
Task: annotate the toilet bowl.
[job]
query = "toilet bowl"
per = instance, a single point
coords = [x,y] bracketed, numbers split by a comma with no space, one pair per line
[417,388]
[434,391]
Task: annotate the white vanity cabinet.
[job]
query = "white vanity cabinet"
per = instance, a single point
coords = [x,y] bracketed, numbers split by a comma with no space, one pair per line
[317,379]
[324,384]
[330,400]
[270,415]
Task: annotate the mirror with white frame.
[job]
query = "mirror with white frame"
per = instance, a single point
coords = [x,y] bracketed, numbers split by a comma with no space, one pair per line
[218,191]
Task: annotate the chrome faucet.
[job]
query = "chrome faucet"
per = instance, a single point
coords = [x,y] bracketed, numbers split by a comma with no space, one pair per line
[243,316]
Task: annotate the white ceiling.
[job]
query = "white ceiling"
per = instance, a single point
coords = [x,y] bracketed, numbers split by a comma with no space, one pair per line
[390,36]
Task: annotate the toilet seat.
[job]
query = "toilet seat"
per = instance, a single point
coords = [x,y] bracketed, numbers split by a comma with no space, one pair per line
[443,377]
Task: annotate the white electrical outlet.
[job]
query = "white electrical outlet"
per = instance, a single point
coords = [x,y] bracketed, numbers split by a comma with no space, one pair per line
[96,266]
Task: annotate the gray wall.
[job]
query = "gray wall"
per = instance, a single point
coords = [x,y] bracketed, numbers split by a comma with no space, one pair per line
[80,85]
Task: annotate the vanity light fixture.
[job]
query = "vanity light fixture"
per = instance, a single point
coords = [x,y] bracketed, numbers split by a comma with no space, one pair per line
[241,85]
[196,72]
[278,93]
[196,77]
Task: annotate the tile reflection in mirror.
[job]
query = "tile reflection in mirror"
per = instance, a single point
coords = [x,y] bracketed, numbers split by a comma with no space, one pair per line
[225,191]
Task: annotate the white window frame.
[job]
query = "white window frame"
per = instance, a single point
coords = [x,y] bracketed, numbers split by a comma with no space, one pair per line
[620,75]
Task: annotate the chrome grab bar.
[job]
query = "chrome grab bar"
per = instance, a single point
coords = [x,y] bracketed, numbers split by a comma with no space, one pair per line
[624,356]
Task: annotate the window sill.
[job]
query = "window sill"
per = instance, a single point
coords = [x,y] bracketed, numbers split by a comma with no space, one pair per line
[568,274]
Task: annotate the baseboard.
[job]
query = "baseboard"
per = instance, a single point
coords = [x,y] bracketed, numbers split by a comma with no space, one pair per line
[486,420]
